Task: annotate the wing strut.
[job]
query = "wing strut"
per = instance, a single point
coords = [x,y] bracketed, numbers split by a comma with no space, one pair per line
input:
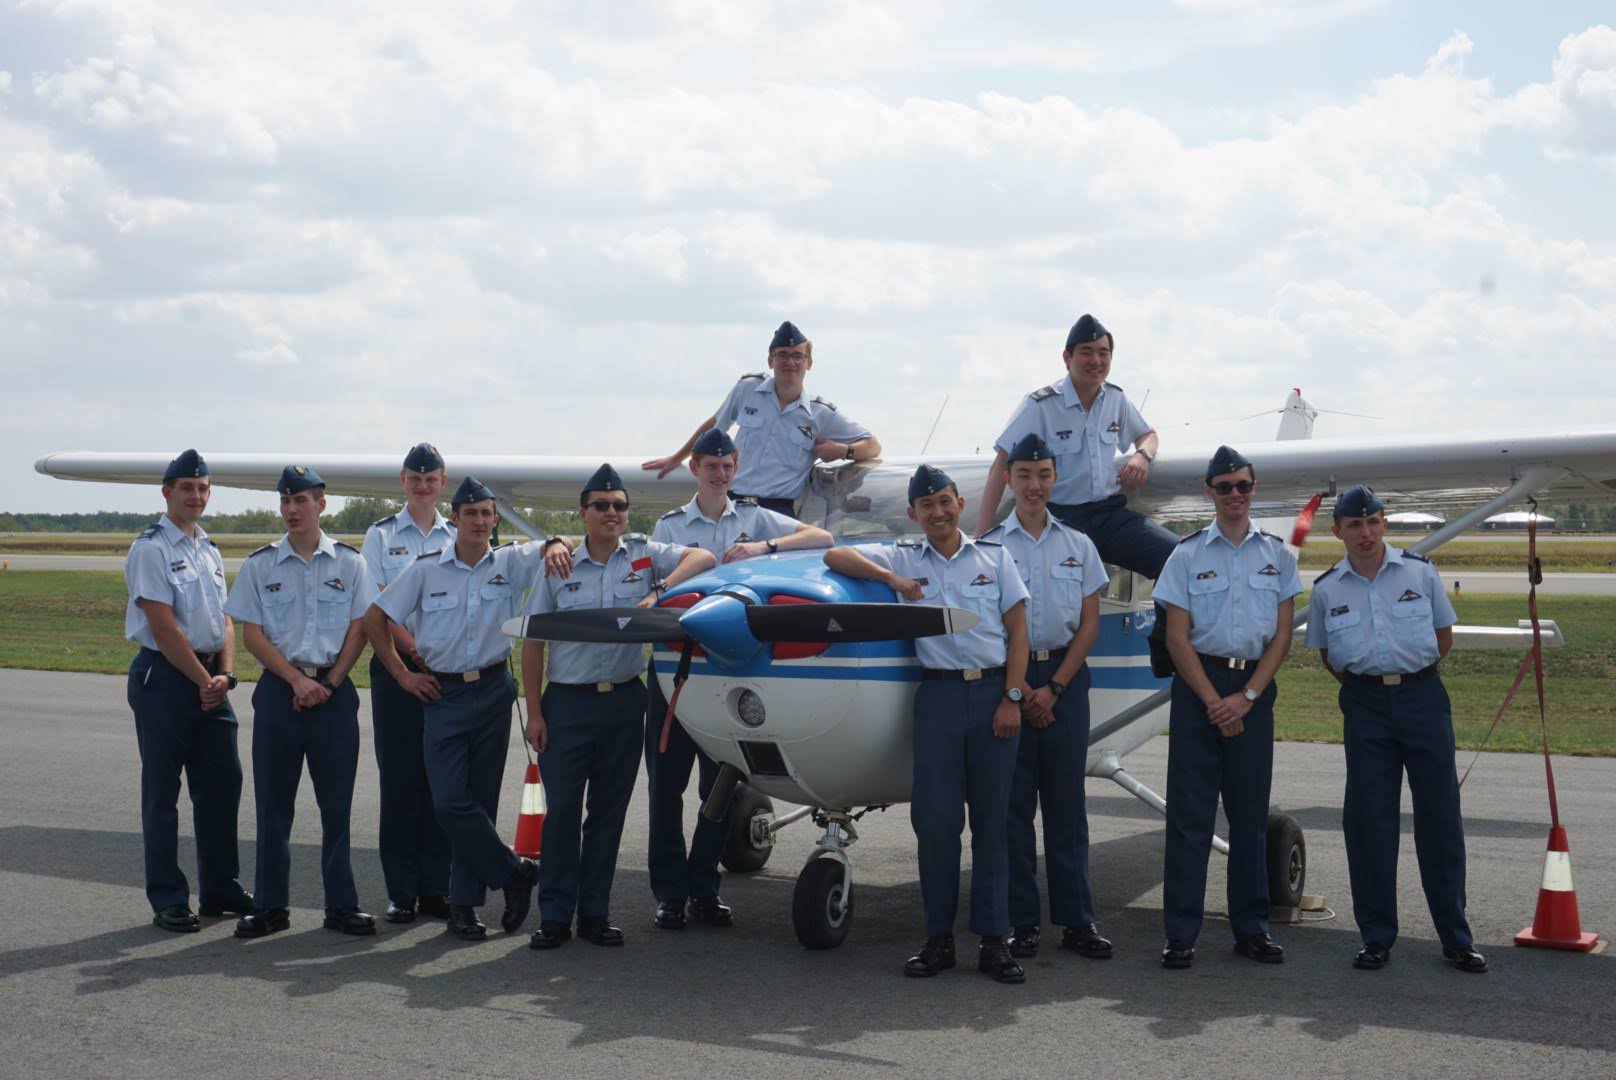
[1529,482]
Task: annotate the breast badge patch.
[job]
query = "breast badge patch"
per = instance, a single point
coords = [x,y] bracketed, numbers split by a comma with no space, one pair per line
[1270,570]
[1206,575]
[1409,594]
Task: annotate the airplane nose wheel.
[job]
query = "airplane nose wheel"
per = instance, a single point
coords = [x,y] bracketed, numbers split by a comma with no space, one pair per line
[822,904]
[750,840]
[1287,861]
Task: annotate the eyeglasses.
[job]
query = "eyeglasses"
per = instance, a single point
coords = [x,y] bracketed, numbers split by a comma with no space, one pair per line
[600,506]
[797,356]
[1228,487]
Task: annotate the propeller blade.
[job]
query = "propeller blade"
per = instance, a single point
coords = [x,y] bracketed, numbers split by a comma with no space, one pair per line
[608,626]
[854,622]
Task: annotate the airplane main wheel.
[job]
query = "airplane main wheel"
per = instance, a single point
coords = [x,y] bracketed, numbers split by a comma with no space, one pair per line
[821,912]
[1287,861]
[742,854]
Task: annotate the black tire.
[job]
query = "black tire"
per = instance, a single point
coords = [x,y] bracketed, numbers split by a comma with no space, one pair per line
[819,913]
[1287,861]
[740,854]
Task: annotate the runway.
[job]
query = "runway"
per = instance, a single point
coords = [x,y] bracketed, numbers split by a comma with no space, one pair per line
[89,988]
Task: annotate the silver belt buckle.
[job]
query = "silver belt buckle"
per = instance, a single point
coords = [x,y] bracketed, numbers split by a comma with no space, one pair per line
[1238,664]
[971,674]
[603,688]
[309,670]
[1040,654]
[1391,680]
[471,676]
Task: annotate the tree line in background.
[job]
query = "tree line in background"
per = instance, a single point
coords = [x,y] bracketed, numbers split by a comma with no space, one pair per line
[353,519]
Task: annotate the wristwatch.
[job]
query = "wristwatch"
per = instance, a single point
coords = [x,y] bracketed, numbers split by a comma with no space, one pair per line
[230,676]
[1249,694]
[772,545]
[325,681]
[849,454]
[1014,694]
[1146,454]
[1056,688]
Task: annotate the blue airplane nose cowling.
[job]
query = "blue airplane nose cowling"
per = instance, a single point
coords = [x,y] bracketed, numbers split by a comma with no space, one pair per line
[718,624]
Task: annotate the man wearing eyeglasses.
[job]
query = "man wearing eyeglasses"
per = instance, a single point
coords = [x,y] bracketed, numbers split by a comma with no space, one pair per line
[1228,591]
[779,430]
[588,724]
[1088,422]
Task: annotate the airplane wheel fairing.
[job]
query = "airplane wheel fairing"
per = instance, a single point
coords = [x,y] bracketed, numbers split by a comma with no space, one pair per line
[1287,861]
[742,855]
[820,914]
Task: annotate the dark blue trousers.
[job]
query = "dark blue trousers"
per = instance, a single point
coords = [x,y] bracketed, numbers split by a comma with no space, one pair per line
[788,507]
[1390,730]
[327,737]
[1050,764]
[591,763]
[414,847]
[676,874]
[1124,537]
[176,735]
[958,762]
[1201,765]
[466,734]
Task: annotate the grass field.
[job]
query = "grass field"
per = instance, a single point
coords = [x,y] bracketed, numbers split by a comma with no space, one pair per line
[73,621]
[232,545]
[1323,551]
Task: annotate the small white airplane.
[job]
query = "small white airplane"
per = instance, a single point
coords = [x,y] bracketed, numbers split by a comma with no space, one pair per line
[813,717]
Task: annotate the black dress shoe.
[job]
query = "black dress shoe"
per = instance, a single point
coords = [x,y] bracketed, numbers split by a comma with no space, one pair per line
[934,956]
[550,935]
[1086,941]
[464,923]
[598,930]
[176,918]
[1261,948]
[1024,941]
[711,910]
[240,904]
[1178,954]
[993,958]
[1372,958]
[670,915]
[256,924]
[1466,958]
[519,893]
[435,906]
[350,920]
[400,913]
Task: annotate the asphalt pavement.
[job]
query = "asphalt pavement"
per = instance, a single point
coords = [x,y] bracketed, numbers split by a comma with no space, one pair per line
[89,988]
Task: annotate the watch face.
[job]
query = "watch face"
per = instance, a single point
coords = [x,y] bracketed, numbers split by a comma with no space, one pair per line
[1013,694]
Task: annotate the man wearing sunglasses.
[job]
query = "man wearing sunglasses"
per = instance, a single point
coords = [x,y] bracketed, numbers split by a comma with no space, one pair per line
[1228,592]
[1382,624]
[457,600]
[1088,422]
[780,432]
[588,725]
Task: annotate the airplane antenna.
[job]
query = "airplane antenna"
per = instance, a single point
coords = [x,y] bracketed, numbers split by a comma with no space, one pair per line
[934,424]
[1145,398]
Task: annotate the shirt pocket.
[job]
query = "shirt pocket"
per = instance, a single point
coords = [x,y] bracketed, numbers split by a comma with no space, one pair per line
[1412,624]
[1264,590]
[982,599]
[439,611]
[1346,638]
[334,608]
[1068,589]
[393,565]
[629,593]
[277,608]
[1208,598]
[568,599]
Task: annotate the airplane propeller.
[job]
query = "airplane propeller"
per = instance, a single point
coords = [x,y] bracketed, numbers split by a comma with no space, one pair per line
[789,622]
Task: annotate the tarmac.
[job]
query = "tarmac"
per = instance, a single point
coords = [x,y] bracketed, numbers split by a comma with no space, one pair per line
[89,988]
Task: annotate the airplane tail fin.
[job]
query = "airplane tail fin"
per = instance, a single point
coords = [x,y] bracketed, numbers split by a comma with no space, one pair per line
[1296,418]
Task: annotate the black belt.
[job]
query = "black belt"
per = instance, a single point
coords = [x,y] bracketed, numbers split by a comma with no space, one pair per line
[960,674]
[208,660]
[602,687]
[467,676]
[1039,655]
[1110,502]
[1393,680]
[1234,663]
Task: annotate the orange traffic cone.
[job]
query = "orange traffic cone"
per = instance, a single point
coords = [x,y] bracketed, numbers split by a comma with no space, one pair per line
[530,822]
[1557,925]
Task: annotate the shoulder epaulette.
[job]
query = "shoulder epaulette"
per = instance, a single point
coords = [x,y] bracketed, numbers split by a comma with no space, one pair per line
[260,551]
[1271,536]
[1193,535]
[350,547]
[212,541]
[999,528]
[1115,387]
[1326,574]
[745,500]
[831,405]
[671,513]
[907,543]
[379,522]
[1415,556]
[990,543]
[150,531]
[637,538]
[428,554]
[1044,392]
[755,375]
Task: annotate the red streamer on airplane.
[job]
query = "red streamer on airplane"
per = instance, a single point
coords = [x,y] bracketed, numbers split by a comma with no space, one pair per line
[1304,520]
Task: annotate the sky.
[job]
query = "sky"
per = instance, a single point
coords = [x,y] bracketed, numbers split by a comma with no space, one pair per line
[532,227]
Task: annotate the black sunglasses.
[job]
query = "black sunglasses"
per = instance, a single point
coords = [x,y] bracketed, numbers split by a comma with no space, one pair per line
[600,506]
[1228,487]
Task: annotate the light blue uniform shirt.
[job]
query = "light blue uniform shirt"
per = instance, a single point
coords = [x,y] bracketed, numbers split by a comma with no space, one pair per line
[394,542]
[1383,627]
[741,522]
[304,608]
[1060,569]
[1232,592]
[1086,442]
[169,567]
[777,444]
[981,577]
[626,578]
[458,609]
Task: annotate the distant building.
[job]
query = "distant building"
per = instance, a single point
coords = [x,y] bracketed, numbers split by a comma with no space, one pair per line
[1413,521]
[1517,520]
